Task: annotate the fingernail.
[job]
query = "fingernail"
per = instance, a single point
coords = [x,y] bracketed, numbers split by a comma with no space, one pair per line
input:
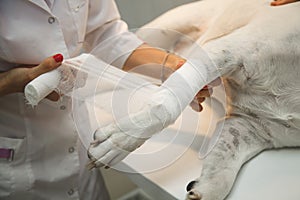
[180,63]
[58,57]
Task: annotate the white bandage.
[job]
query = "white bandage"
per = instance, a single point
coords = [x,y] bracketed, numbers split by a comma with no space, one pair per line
[180,89]
[40,87]
[61,79]
[115,141]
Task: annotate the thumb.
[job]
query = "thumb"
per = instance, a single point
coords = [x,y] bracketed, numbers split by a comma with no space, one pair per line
[47,65]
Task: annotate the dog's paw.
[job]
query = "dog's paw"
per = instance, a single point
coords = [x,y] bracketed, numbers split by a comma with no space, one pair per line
[206,190]
[192,193]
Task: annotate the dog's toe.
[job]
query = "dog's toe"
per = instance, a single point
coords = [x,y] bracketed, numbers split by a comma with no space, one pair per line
[193,195]
[190,186]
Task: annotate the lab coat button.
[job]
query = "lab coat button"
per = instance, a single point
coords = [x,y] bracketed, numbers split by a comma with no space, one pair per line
[63,107]
[70,192]
[51,20]
[71,149]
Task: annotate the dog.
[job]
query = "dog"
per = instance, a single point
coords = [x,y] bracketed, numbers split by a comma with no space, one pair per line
[256,49]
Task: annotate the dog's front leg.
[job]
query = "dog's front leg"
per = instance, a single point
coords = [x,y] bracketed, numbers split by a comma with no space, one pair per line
[238,142]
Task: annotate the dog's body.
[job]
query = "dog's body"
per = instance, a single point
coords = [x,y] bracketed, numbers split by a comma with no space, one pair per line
[257,50]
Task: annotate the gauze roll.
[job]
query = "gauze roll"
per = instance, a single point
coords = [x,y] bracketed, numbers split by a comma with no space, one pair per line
[40,87]
[61,79]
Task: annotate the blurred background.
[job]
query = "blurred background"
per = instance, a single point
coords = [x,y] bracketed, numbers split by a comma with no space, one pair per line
[139,12]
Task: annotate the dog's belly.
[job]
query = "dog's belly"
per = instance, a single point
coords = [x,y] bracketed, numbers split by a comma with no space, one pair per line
[275,105]
[262,75]
[260,64]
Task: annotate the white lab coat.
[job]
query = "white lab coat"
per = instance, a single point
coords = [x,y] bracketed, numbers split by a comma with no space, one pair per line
[49,162]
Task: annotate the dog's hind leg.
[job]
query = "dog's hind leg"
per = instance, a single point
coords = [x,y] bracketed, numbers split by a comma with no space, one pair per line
[239,141]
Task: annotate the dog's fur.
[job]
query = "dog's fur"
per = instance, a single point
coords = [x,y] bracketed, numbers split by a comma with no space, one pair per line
[256,48]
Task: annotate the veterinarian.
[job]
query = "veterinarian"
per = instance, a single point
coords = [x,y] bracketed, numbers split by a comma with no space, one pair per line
[40,154]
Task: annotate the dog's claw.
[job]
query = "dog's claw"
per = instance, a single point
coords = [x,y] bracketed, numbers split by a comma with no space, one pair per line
[91,165]
[190,186]
[194,195]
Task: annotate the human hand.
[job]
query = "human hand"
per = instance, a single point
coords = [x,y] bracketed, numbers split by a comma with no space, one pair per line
[282,2]
[200,97]
[63,80]
[15,80]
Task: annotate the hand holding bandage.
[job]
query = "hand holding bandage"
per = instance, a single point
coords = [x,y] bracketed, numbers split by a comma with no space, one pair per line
[16,79]
[61,80]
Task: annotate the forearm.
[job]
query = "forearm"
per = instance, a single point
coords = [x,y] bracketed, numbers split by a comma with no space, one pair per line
[8,84]
[282,2]
[3,84]
[146,54]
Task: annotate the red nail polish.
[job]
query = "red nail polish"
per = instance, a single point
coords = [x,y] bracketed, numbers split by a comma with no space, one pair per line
[58,57]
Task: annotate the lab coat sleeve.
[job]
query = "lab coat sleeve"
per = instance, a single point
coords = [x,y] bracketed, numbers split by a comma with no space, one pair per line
[107,36]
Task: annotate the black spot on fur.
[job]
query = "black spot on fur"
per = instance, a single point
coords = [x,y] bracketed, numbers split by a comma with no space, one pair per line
[234,132]
[241,65]
[253,134]
[247,140]
[228,146]
[236,142]
[222,146]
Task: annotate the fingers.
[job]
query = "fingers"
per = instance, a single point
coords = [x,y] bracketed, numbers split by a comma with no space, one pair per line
[53,96]
[196,106]
[215,82]
[277,3]
[46,65]
[204,93]
[282,2]
[200,98]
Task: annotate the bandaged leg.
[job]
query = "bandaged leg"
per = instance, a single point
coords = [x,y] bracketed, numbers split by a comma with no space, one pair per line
[115,141]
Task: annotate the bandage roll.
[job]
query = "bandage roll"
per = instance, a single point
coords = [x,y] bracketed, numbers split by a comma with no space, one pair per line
[40,87]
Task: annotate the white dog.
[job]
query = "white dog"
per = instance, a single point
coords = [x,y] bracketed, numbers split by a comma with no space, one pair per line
[257,50]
